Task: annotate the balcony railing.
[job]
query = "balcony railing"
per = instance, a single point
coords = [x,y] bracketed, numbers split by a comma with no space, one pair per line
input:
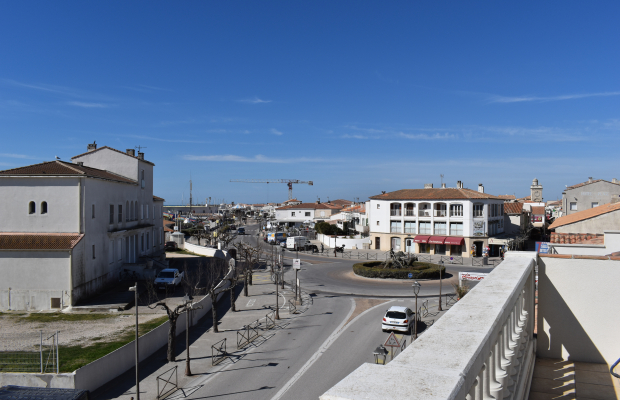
[440,213]
[495,361]
[395,213]
[425,213]
[409,213]
[456,213]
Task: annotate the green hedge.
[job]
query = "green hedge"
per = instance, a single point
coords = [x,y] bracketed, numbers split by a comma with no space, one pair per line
[419,270]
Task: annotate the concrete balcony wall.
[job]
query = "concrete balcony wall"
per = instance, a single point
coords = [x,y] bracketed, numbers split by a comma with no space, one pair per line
[483,347]
[578,319]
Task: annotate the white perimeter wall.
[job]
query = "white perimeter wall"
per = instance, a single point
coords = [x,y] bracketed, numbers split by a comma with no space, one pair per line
[31,278]
[348,243]
[578,316]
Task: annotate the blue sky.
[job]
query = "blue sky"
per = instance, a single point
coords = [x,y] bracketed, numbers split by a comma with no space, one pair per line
[358,97]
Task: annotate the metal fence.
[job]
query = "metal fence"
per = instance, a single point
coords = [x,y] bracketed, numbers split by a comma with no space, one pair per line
[168,385]
[218,352]
[34,354]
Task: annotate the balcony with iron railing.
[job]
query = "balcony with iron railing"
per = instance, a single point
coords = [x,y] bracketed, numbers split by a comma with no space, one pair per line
[409,213]
[395,212]
[440,213]
[491,357]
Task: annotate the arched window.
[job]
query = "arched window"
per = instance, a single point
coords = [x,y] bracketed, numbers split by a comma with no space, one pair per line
[395,209]
[44,207]
[31,208]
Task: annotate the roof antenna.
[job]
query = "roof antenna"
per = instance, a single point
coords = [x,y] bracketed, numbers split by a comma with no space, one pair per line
[441,179]
[140,148]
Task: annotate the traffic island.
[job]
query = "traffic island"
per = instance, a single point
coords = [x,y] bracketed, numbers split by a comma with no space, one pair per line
[414,270]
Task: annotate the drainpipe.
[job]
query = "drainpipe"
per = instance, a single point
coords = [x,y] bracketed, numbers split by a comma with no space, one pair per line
[70,278]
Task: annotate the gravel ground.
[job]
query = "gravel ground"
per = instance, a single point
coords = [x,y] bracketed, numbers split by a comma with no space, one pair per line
[18,334]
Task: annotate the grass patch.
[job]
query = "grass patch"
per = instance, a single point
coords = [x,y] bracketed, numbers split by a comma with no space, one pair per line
[74,357]
[419,270]
[52,317]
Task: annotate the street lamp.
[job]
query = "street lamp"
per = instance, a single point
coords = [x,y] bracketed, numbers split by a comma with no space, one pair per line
[188,300]
[440,268]
[416,289]
[282,267]
[135,289]
[380,354]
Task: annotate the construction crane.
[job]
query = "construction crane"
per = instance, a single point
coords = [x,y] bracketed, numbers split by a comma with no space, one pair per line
[289,183]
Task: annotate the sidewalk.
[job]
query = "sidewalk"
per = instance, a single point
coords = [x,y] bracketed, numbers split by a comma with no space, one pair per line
[255,308]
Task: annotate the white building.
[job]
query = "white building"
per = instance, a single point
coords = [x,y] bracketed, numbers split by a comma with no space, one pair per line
[295,215]
[68,228]
[437,221]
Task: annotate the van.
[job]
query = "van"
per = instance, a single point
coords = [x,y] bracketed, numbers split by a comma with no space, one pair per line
[296,242]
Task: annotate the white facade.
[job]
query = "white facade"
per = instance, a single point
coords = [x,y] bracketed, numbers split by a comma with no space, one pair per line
[298,215]
[119,219]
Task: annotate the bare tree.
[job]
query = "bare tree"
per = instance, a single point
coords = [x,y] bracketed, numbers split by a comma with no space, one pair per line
[251,255]
[215,273]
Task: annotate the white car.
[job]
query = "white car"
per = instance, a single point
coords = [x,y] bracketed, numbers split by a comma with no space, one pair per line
[398,319]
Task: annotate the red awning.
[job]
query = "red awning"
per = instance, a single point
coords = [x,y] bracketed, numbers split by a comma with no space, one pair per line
[421,239]
[455,241]
[436,239]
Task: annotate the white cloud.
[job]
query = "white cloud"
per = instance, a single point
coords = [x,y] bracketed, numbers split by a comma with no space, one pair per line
[256,159]
[23,156]
[87,105]
[426,136]
[354,137]
[276,132]
[255,100]
[521,99]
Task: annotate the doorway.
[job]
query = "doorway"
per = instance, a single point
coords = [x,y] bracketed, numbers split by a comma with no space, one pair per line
[478,245]
[409,245]
[396,243]
[377,243]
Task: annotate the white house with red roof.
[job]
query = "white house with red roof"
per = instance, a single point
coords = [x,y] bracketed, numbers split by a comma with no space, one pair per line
[69,229]
[448,221]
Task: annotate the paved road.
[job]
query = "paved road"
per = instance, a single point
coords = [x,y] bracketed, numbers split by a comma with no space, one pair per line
[318,348]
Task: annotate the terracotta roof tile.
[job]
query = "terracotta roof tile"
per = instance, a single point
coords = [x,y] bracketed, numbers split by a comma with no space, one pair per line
[513,208]
[582,184]
[434,194]
[155,198]
[585,214]
[110,148]
[342,202]
[538,210]
[507,196]
[39,241]
[51,168]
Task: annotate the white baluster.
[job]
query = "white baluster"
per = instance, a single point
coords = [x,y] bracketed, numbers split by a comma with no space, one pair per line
[480,387]
[496,386]
[471,395]
[487,381]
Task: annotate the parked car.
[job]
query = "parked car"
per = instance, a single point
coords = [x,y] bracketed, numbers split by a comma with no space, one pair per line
[171,246]
[168,278]
[241,231]
[398,318]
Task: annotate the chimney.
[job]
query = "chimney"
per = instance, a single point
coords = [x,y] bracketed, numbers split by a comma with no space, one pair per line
[459,185]
[80,163]
[318,200]
[428,186]
[480,188]
[614,180]
[92,146]
[141,155]
[443,185]
[590,179]
[131,152]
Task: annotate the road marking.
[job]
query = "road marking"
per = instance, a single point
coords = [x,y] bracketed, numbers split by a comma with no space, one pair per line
[326,344]
[251,303]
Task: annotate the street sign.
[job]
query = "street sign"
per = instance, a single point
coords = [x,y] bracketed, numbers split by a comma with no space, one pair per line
[296,263]
[470,276]
[410,275]
[391,341]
